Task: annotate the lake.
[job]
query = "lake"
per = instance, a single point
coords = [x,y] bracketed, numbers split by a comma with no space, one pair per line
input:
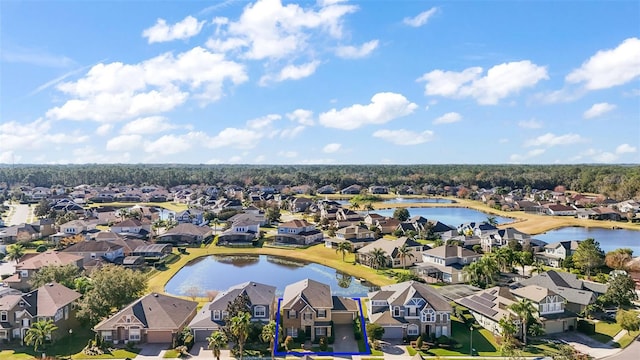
[609,239]
[451,216]
[219,272]
[402,200]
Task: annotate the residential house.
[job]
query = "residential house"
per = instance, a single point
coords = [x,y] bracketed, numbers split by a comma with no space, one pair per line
[132,228]
[152,251]
[351,190]
[249,215]
[626,206]
[213,315]
[75,227]
[18,311]
[555,253]
[378,189]
[154,318]
[358,236]
[300,204]
[242,232]
[550,308]
[186,233]
[560,210]
[387,225]
[445,264]
[491,239]
[31,263]
[298,232]
[192,216]
[347,215]
[409,309]
[577,293]
[391,248]
[327,189]
[15,233]
[308,306]
[491,305]
[607,213]
[476,228]
[91,250]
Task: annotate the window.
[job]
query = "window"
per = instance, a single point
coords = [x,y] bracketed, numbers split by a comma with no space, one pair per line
[292,314]
[378,303]
[293,332]
[396,311]
[225,314]
[445,330]
[216,315]
[259,311]
[3,316]
[307,315]
[321,331]
[428,315]
[413,330]
[66,312]
[134,334]
[58,315]
[25,323]
[322,313]
[24,273]
[3,334]
[106,335]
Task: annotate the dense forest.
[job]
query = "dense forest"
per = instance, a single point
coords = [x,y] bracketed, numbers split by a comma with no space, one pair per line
[617,181]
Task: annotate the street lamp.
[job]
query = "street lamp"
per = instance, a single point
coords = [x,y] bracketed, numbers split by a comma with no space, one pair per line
[69,342]
[471,341]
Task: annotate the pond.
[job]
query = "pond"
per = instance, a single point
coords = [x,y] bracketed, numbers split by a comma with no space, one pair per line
[219,272]
[451,216]
[609,239]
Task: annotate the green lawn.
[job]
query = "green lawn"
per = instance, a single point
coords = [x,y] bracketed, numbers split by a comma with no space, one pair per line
[605,331]
[12,355]
[116,354]
[627,339]
[171,354]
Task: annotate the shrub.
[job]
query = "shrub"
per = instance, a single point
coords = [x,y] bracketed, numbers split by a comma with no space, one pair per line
[419,342]
[41,248]
[443,339]
[323,344]
[586,327]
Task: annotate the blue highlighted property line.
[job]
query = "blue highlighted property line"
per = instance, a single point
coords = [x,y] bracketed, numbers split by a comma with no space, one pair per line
[322,353]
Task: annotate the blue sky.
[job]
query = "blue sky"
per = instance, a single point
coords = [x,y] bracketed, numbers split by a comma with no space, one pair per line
[326,82]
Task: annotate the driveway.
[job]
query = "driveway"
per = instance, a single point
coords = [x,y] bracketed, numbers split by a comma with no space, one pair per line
[152,351]
[344,340]
[19,214]
[586,345]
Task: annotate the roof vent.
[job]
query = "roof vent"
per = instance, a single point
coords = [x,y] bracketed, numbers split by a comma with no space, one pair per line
[155,295]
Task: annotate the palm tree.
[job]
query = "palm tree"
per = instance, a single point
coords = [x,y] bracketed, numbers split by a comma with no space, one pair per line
[269,335]
[523,258]
[538,267]
[215,223]
[240,329]
[369,207]
[378,258]
[39,332]
[405,252]
[525,310]
[509,328]
[492,220]
[217,341]
[505,257]
[15,252]
[355,206]
[344,247]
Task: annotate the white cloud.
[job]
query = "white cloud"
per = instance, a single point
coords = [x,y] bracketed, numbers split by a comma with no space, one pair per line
[291,133]
[9,157]
[530,124]
[318,161]
[605,157]
[34,56]
[237,138]
[530,154]
[236,159]
[117,91]
[598,109]
[302,116]
[625,149]
[124,143]
[501,81]
[263,122]
[356,52]
[331,148]
[291,72]
[147,125]
[161,32]
[421,18]
[288,154]
[268,30]
[383,108]
[35,135]
[609,68]
[550,139]
[404,137]
[104,129]
[448,118]
[168,145]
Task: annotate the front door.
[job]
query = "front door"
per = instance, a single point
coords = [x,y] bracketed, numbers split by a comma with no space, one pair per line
[307,331]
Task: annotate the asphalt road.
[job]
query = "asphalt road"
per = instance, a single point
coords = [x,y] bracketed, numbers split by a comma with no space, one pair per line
[631,352]
[19,215]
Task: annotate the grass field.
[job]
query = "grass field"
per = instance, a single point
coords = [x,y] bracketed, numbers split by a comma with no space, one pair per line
[166,205]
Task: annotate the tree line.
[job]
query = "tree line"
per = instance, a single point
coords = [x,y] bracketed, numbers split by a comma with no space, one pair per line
[617,181]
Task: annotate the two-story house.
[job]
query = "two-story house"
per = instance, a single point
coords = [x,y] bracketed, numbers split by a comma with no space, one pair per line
[31,263]
[51,301]
[192,216]
[242,232]
[298,232]
[75,227]
[308,306]
[445,264]
[213,315]
[555,253]
[154,318]
[409,309]
[501,237]
[491,305]
[300,204]
[550,308]
[391,248]
[358,236]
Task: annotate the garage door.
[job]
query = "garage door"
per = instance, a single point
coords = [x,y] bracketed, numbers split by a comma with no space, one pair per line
[392,332]
[202,335]
[154,337]
[342,317]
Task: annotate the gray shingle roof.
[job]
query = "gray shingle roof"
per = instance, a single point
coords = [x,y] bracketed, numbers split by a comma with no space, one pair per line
[314,293]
